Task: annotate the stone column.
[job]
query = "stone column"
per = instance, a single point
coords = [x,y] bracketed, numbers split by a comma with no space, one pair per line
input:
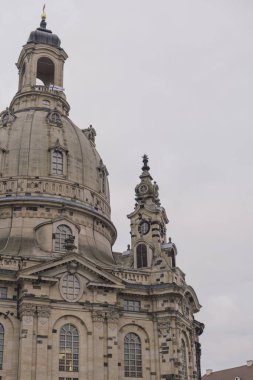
[27,347]
[98,318]
[112,345]
[43,313]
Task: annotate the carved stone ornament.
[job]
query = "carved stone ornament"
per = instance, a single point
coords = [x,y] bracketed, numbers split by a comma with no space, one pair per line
[98,316]
[72,267]
[54,118]
[27,310]
[6,118]
[163,324]
[112,316]
[43,311]
[90,133]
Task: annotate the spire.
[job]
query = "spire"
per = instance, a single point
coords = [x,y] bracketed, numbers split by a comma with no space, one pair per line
[43,23]
[145,163]
[147,191]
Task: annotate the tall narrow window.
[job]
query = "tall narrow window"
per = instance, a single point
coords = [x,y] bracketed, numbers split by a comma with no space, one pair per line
[69,349]
[132,356]
[184,360]
[62,233]
[141,256]
[57,162]
[1,345]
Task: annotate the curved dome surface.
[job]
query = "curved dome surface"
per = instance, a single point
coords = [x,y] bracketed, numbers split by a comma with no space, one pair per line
[43,35]
[52,179]
[29,139]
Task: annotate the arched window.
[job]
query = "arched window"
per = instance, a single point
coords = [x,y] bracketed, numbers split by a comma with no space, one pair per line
[69,349]
[1,345]
[132,356]
[184,360]
[57,162]
[62,233]
[45,71]
[141,256]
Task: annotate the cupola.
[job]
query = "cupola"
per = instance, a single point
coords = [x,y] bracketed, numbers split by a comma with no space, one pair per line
[42,35]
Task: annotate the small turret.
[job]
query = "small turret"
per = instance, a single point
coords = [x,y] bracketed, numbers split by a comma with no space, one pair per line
[40,66]
[148,221]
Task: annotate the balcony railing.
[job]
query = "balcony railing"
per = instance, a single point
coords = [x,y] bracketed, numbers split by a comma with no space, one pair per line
[48,89]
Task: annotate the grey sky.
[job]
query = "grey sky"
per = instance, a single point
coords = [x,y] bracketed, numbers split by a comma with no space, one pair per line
[173,79]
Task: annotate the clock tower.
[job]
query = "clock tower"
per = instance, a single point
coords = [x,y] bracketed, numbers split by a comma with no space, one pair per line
[148,223]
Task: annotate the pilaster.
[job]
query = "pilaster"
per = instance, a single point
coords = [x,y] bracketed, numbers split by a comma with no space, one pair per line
[43,313]
[112,345]
[27,314]
[99,362]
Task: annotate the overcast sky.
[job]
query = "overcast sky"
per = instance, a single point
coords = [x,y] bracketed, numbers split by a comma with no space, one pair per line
[173,79]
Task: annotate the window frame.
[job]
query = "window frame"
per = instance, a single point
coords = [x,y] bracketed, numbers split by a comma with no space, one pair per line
[132,305]
[63,287]
[5,292]
[57,162]
[133,355]
[58,240]
[69,347]
[141,256]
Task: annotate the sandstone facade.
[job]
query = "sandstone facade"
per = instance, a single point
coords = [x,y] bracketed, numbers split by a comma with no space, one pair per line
[70,307]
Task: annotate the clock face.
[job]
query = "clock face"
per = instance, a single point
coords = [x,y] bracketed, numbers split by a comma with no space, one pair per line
[143,189]
[144,227]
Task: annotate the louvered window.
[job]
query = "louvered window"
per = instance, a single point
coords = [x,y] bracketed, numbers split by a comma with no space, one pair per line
[141,256]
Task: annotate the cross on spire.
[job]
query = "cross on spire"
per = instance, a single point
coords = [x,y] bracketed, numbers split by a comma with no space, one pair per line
[145,163]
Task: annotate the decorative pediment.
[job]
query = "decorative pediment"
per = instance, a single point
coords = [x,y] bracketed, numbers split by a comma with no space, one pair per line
[95,276]
[58,146]
[59,219]
[192,298]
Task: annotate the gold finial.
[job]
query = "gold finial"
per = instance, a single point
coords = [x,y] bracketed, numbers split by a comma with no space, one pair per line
[43,14]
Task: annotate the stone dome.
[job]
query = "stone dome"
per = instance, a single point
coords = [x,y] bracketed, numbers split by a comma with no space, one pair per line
[29,140]
[43,35]
[53,182]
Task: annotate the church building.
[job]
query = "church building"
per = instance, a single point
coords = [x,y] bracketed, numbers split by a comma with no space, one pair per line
[70,307]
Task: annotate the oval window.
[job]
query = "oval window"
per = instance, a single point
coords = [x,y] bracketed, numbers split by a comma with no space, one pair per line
[70,287]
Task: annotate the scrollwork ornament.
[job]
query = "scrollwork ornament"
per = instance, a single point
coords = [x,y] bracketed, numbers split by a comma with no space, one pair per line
[163,324]
[112,317]
[27,310]
[98,316]
[43,311]
[54,118]
[7,117]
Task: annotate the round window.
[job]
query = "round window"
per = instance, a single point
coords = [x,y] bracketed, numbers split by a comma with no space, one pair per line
[70,287]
